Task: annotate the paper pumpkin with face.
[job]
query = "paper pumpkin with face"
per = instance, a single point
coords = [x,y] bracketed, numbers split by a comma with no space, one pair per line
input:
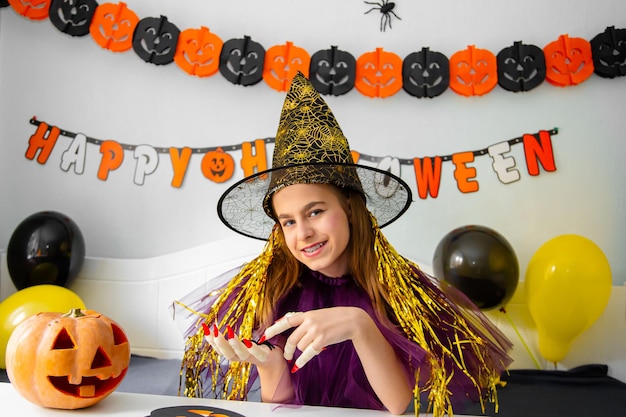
[378,73]
[198,52]
[242,60]
[72,16]
[332,71]
[609,53]
[67,361]
[155,40]
[521,67]
[218,166]
[112,26]
[282,63]
[473,71]
[425,73]
[32,9]
[568,61]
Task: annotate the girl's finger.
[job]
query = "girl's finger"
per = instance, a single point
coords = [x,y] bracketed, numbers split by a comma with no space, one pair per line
[286,322]
[309,353]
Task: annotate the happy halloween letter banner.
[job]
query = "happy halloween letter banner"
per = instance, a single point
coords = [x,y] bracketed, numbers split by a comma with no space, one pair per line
[218,163]
[563,62]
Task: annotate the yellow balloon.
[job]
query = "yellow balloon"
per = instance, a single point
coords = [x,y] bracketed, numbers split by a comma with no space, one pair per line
[568,284]
[32,300]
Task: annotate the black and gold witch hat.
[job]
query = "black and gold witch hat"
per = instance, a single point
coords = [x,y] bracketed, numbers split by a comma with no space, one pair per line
[310,148]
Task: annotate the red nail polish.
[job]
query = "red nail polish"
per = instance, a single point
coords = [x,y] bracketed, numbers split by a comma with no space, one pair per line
[216,331]
[247,343]
[206,329]
[262,339]
[231,333]
[294,369]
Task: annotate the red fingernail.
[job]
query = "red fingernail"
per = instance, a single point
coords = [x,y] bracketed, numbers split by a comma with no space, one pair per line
[206,329]
[262,339]
[294,369]
[216,331]
[247,343]
[231,333]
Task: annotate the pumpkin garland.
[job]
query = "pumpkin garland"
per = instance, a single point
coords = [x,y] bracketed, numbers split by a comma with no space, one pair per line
[67,361]
[564,62]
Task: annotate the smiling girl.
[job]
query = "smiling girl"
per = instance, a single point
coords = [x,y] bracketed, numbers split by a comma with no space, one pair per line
[329,313]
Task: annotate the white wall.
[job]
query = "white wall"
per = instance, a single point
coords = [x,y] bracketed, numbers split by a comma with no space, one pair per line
[76,85]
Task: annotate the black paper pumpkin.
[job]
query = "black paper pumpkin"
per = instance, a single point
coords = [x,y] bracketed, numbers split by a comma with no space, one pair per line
[241,61]
[4,3]
[72,16]
[609,53]
[425,73]
[155,40]
[332,71]
[521,67]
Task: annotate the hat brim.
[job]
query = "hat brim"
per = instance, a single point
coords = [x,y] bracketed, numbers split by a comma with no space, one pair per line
[241,206]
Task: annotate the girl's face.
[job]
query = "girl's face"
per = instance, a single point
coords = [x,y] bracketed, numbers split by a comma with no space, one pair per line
[314,221]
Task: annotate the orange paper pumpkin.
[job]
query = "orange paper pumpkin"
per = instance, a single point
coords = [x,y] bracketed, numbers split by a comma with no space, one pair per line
[378,73]
[569,61]
[282,63]
[113,25]
[198,52]
[32,9]
[473,71]
[218,166]
[67,361]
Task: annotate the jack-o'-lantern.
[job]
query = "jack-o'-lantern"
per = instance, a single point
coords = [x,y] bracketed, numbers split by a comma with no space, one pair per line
[218,166]
[609,53]
[332,71]
[521,67]
[473,71]
[112,26]
[155,40]
[282,63]
[72,16]
[67,361]
[198,52]
[568,61]
[32,9]
[242,60]
[378,73]
[425,73]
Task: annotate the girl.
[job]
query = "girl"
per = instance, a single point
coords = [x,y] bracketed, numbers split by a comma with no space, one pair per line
[329,313]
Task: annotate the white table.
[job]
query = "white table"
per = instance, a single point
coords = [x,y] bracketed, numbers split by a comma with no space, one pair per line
[120,404]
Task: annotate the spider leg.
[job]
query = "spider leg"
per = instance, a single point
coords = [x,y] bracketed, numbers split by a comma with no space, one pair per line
[394,13]
[373,8]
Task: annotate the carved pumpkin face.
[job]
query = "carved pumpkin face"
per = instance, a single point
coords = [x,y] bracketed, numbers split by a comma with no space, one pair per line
[72,16]
[333,71]
[425,73]
[282,63]
[67,361]
[218,166]
[155,40]
[241,61]
[521,67]
[473,71]
[32,9]
[198,52]
[113,25]
[568,61]
[378,73]
[609,53]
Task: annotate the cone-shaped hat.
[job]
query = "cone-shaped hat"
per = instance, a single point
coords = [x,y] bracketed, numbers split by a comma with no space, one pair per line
[310,148]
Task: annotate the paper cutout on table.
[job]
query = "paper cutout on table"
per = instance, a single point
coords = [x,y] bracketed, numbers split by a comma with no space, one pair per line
[193,411]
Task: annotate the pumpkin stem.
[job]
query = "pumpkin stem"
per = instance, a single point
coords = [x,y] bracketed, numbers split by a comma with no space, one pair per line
[75,312]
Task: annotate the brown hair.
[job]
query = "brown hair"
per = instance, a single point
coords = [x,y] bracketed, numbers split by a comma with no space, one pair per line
[284,270]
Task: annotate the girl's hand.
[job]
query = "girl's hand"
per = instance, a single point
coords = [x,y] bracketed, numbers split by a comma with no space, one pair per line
[234,349]
[316,329]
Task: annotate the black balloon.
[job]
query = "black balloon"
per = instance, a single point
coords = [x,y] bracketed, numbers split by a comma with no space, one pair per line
[45,248]
[480,263]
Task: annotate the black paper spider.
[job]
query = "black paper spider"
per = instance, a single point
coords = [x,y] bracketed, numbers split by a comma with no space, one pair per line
[386,10]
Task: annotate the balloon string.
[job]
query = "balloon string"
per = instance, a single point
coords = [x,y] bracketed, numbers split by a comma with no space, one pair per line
[537,365]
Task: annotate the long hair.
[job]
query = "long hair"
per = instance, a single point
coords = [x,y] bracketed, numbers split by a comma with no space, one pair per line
[283,273]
